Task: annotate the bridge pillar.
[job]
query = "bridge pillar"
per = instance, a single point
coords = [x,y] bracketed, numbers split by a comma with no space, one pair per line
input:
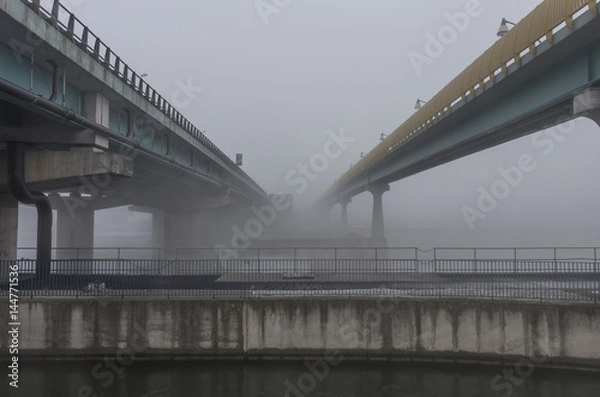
[9,221]
[344,204]
[377,225]
[97,109]
[158,233]
[194,232]
[74,227]
[587,104]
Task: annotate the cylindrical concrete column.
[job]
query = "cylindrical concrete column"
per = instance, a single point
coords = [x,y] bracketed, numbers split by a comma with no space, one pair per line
[377,226]
[344,204]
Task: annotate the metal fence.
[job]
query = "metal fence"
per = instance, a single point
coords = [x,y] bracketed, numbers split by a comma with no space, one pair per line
[558,254]
[542,280]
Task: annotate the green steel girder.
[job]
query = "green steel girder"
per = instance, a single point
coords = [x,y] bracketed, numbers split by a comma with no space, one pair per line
[539,95]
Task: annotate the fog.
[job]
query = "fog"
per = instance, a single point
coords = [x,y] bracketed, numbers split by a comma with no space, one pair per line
[276,92]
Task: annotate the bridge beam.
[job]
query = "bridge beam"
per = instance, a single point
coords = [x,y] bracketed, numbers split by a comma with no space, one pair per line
[377,225]
[587,104]
[47,171]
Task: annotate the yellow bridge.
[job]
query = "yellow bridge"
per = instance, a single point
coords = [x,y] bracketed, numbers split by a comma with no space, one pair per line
[537,27]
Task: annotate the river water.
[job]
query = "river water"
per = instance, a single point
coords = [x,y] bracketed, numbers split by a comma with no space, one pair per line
[333,378]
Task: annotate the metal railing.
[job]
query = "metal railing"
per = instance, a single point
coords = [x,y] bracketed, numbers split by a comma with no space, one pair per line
[514,254]
[29,253]
[77,32]
[572,281]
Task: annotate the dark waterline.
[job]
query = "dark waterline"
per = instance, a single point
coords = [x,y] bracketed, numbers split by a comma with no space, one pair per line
[346,379]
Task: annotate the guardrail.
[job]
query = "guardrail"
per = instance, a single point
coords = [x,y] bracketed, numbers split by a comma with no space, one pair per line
[104,253]
[77,32]
[556,254]
[481,279]
[539,26]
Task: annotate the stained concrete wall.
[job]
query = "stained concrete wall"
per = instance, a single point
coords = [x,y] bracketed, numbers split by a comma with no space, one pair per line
[456,331]
[9,222]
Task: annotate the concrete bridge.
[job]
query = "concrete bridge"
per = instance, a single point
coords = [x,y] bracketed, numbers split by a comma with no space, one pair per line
[77,122]
[543,72]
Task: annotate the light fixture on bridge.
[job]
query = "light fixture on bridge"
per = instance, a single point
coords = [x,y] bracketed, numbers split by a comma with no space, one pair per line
[144,75]
[382,137]
[419,104]
[504,27]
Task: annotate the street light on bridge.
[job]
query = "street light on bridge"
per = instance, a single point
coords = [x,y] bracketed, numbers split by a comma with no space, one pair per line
[419,104]
[504,27]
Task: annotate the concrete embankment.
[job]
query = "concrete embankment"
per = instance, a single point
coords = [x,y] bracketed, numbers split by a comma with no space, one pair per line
[548,335]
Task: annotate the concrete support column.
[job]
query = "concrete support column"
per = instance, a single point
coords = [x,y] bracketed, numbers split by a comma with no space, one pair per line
[158,233]
[75,228]
[192,231]
[97,109]
[377,226]
[344,204]
[587,104]
[9,221]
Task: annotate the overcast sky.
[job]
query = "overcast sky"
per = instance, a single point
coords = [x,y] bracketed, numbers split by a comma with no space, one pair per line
[273,90]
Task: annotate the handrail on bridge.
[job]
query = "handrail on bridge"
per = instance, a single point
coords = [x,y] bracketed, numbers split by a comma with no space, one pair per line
[77,32]
[541,23]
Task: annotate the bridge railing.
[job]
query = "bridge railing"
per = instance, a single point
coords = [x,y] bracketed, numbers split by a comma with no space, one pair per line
[573,281]
[76,31]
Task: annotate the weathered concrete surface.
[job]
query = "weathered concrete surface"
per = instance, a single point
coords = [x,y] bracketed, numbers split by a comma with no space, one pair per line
[9,220]
[455,331]
[45,170]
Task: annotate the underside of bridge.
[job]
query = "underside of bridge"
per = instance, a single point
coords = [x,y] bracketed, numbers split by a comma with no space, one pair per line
[559,83]
[78,125]
[82,172]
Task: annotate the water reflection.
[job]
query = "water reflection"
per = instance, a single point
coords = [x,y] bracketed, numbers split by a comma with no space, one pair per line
[228,379]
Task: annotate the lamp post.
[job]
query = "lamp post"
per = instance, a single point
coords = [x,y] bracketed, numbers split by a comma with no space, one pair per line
[504,27]
[419,104]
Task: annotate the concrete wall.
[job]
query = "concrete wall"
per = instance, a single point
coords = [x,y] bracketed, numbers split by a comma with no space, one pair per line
[461,331]
[9,222]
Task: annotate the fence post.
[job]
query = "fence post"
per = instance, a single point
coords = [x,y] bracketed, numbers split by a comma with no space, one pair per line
[335,259]
[596,276]
[515,260]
